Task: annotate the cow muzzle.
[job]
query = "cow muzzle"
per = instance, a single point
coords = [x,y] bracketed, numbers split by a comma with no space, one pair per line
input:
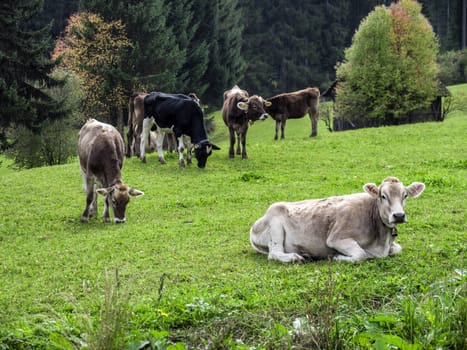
[399,218]
[119,221]
[263,116]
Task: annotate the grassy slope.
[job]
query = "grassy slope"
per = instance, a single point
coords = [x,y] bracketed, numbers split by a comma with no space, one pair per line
[192,226]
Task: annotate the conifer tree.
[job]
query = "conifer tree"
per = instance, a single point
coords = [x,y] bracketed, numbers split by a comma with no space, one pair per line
[155,60]
[25,69]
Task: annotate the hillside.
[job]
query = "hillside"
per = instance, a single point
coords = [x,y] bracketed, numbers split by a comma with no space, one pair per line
[186,270]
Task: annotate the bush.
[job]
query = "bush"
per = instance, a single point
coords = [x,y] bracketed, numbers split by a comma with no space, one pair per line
[390,69]
[56,142]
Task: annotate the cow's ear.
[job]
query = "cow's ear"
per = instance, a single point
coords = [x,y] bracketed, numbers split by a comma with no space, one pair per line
[243,106]
[415,189]
[135,193]
[371,189]
[267,103]
[103,191]
[217,148]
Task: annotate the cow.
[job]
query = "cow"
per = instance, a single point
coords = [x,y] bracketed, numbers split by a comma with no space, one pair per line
[294,105]
[238,111]
[349,228]
[101,152]
[177,113]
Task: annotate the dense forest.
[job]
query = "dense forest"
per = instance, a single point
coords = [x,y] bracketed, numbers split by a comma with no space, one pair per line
[266,47]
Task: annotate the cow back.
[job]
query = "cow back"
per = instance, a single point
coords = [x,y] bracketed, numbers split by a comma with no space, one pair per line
[100,151]
[294,104]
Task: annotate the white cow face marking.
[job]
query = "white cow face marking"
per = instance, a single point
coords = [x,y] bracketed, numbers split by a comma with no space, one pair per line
[391,196]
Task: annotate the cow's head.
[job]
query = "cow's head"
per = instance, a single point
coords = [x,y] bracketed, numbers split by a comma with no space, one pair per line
[118,197]
[254,108]
[391,196]
[203,150]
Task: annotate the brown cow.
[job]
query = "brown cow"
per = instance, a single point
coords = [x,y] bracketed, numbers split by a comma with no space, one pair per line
[294,105]
[238,110]
[350,228]
[101,152]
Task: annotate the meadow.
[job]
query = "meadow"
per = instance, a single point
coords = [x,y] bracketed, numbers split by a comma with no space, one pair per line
[181,274]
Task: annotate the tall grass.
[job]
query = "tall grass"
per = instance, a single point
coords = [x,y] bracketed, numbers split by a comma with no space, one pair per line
[185,261]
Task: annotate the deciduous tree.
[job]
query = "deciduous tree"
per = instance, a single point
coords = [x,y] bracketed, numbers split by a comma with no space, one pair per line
[93,50]
[390,69]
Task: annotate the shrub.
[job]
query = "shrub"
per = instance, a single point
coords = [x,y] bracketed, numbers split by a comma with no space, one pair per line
[56,141]
[390,68]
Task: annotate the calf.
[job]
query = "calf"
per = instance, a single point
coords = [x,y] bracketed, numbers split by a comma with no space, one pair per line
[350,228]
[100,152]
[294,105]
[238,110]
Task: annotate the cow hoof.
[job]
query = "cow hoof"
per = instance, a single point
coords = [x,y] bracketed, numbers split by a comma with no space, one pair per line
[162,161]
[106,219]
[182,164]
[143,160]
[84,219]
[244,156]
[231,155]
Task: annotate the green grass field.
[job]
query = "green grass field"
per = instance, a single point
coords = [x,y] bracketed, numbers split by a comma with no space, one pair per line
[187,276]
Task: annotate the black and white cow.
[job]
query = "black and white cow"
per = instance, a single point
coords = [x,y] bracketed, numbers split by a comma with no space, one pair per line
[177,113]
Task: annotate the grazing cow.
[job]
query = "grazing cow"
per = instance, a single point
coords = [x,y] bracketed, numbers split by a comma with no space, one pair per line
[238,110]
[295,105]
[176,113]
[101,153]
[351,228]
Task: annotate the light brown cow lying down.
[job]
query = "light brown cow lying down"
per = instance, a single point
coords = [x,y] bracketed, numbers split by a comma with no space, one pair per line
[352,227]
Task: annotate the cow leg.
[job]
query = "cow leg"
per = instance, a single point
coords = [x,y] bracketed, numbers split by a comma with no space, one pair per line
[171,142]
[180,149]
[189,148]
[276,243]
[239,141]
[243,141]
[91,199]
[106,217]
[159,143]
[284,120]
[278,125]
[350,250]
[129,143]
[232,142]
[147,124]
[394,249]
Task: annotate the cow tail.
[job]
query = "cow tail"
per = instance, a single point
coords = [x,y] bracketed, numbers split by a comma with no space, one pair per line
[131,131]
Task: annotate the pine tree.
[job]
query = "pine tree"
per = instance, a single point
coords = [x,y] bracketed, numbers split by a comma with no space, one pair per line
[155,60]
[24,69]
[221,23]
[184,21]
